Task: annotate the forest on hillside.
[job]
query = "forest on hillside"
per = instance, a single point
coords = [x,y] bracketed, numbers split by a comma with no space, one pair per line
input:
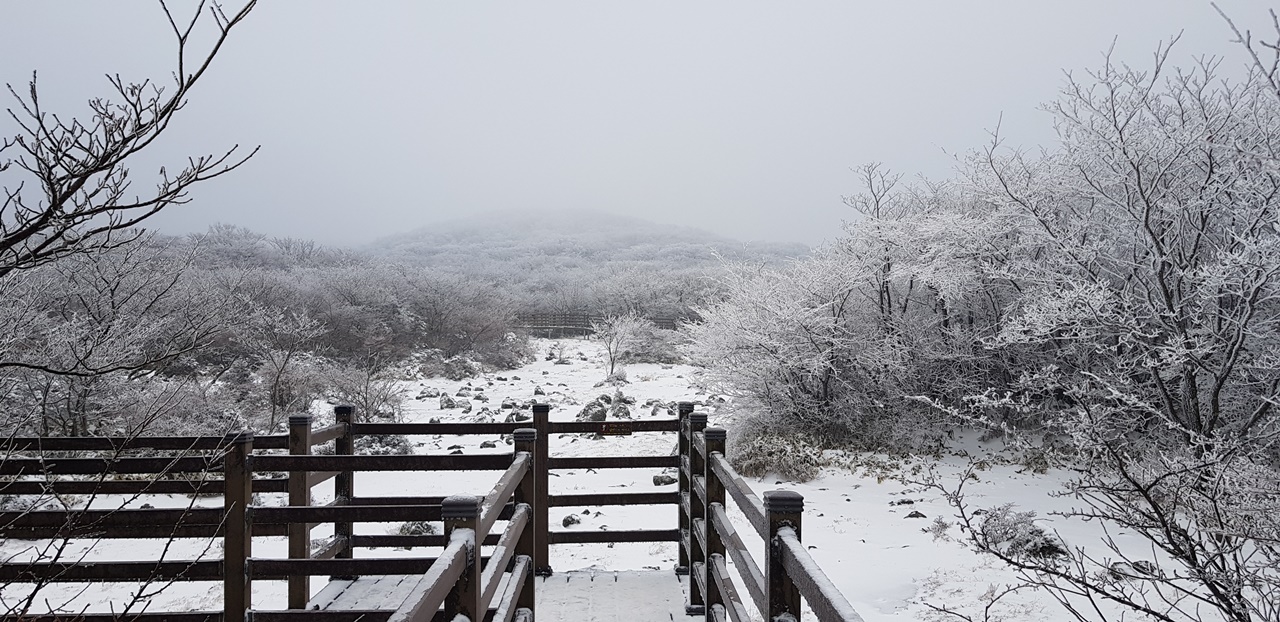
[230,329]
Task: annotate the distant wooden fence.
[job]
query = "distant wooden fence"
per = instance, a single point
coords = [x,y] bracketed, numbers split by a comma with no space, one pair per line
[562,325]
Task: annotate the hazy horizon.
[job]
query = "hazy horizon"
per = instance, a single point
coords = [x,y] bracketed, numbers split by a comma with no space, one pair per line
[742,119]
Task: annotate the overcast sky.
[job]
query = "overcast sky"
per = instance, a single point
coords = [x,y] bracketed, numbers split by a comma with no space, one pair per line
[739,117]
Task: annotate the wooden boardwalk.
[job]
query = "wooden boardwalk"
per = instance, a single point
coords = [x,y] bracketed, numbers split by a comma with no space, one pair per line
[459,580]
[597,595]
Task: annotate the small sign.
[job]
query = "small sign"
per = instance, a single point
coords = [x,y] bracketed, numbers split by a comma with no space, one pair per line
[615,428]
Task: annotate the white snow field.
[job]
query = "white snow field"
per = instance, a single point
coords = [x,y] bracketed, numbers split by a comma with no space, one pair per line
[856,522]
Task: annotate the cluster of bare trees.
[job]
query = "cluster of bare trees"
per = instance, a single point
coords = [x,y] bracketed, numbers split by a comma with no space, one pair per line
[87,296]
[1121,292]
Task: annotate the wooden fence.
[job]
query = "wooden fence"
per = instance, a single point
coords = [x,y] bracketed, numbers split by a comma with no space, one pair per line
[561,325]
[458,581]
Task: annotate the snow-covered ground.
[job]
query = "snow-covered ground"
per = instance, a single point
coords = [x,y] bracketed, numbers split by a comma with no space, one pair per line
[856,522]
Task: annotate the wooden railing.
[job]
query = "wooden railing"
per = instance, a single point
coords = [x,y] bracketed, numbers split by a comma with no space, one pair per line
[709,540]
[227,465]
[239,466]
[459,581]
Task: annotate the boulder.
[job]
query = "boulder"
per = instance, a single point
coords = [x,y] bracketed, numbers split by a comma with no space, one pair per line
[447,402]
[663,480]
[538,390]
[488,445]
[517,416]
[465,405]
[595,410]
[570,520]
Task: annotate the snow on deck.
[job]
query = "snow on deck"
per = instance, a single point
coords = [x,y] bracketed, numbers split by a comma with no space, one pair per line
[597,595]
[608,595]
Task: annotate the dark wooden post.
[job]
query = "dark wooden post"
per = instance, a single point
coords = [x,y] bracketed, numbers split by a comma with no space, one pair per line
[697,516]
[527,493]
[784,508]
[715,438]
[299,495]
[541,542]
[344,484]
[683,410]
[237,543]
[463,512]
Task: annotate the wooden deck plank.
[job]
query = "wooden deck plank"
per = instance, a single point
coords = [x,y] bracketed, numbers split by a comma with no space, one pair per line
[603,596]
[376,592]
[611,595]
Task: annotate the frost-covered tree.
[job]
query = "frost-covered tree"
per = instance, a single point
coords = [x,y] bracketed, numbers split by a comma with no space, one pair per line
[617,333]
[1149,259]
[280,340]
[897,306]
[65,182]
[127,312]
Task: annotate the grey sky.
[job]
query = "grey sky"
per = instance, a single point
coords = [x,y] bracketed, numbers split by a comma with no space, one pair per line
[739,117]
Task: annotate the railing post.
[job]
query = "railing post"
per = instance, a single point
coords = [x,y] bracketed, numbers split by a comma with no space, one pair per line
[541,558]
[784,508]
[463,512]
[345,482]
[697,518]
[299,495]
[527,493]
[683,410]
[237,540]
[715,439]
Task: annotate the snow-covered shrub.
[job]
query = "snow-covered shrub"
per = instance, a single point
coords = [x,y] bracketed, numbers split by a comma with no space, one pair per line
[618,377]
[383,445]
[655,345]
[1017,535]
[756,448]
[509,352]
[460,367]
[416,528]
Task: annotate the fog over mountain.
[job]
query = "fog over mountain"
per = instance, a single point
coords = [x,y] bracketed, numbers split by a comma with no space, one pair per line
[568,239]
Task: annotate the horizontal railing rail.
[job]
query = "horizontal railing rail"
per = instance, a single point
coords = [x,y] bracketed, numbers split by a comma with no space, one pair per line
[128,443]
